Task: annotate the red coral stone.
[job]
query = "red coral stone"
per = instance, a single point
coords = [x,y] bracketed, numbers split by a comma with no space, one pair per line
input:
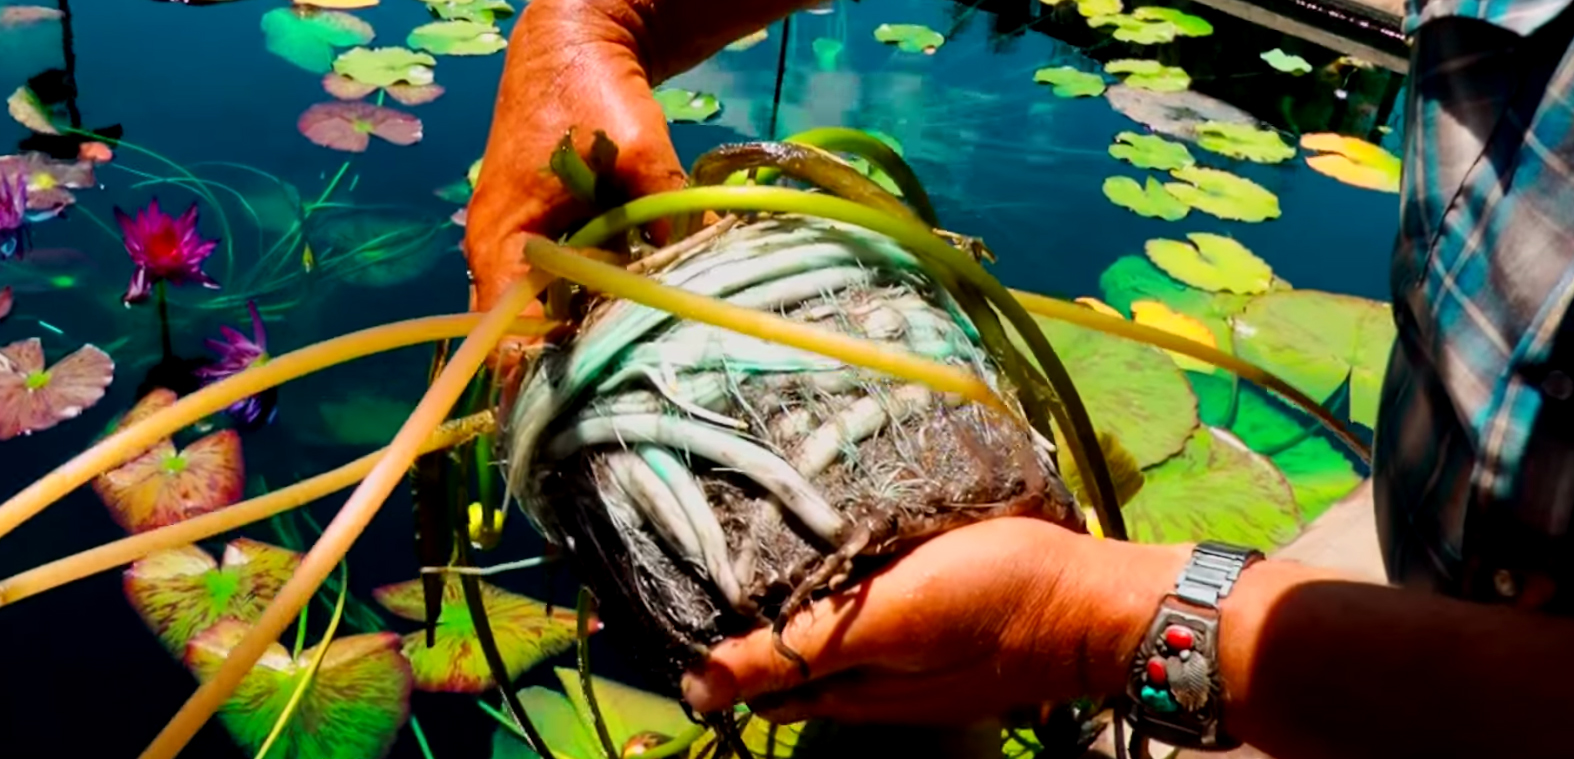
[1157,675]
[1179,638]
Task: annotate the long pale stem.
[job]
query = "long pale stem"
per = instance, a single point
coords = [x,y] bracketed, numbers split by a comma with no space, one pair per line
[117,448]
[349,522]
[129,549]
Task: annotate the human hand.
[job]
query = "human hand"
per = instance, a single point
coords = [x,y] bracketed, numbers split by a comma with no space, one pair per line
[972,624]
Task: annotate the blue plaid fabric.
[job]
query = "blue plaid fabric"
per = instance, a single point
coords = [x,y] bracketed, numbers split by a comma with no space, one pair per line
[1473,429]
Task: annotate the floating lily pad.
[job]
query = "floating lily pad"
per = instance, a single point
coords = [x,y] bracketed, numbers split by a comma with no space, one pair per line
[682,105]
[1069,82]
[357,701]
[345,88]
[1212,262]
[15,16]
[1243,141]
[1216,489]
[1150,75]
[1138,31]
[163,485]
[1124,472]
[1151,200]
[1353,161]
[1176,114]
[457,38]
[309,38]
[1148,151]
[1185,24]
[33,398]
[1091,9]
[1155,314]
[1289,64]
[567,724]
[49,182]
[385,66]
[29,111]
[480,11]
[349,126]
[342,5]
[1314,340]
[1132,391]
[749,40]
[183,591]
[910,38]
[525,634]
[1222,194]
[1134,278]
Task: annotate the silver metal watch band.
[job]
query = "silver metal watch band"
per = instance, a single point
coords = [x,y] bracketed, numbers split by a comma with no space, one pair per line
[1211,573]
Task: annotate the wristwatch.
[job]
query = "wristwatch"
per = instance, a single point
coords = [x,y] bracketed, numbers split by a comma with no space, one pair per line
[1174,688]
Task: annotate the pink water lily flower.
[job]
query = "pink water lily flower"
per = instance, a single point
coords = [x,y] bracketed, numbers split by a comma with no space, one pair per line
[165,248]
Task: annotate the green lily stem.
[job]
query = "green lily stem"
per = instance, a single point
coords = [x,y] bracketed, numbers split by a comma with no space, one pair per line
[868,147]
[420,738]
[586,604]
[300,631]
[163,320]
[311,671]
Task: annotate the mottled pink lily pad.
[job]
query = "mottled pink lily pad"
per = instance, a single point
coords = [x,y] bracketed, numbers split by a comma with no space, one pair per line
[33,398]
[525,635]
[183,591]
[162,485]
[356,704]
[49,182]
[13,16]
[349,126]
[414,94]
[345,88]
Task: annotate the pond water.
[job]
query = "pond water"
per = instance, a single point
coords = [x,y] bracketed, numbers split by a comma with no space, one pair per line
[197,89]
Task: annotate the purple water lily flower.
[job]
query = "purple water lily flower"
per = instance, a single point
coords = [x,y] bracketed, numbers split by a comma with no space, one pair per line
[236,354]
[13,216]
[164,247]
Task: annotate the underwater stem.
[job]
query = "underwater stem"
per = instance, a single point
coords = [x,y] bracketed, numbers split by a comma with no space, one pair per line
[163,321]
[586,602]
[129,549]
[117,448]
[347,525]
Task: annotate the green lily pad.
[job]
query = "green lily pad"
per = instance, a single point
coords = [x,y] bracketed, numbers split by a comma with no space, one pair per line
[1150,151]
[1212,262]
[1314,340]
[308,37]
[567,724]
[1153,200]
[479,11]
[354,707]
[1244,141]
[1150,75]
[1216,489]
[1185,24]
[183,591]
[1222,194]
[359,420]
[526,635]
[1320,474]
[827,52]
[1096,8]
[1134,278]
[385,66]
[1289,64]
[1132,391]
[910,38]
[1138,31]
[682,105]
[457,38]
[1068,82]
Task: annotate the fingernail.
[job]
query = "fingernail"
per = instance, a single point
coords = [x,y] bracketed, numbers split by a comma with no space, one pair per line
[709,690]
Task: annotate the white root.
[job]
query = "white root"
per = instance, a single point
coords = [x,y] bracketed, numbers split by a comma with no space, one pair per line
[857,422]
[696,507]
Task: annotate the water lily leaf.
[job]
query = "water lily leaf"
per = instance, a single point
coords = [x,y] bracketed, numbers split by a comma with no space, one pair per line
[162,485]
[525,634]
[1124,471]
[1353,161]
[479,11]
[1216,489]
[1149,75]
[1132,391]
[627,711]
[1148,151]
[682,105]
[349,126]
[1176,114]
[1069,82]
[33,398]
[1289,64]
[385,66]
[1222,194]
[183,591]
[749,40]
[48,181]
[1155,314]
[343,5]
[1185,24]
[308,38]
[910,38]
[1243,141]
[1134,278]
[457,38]
[1212,262]
[29,111]
[561,729]
[16,16]
[1096,8]
[1152,201]
[1314,340]
[827,52]
[353,708]
[1138,31]
[359,420]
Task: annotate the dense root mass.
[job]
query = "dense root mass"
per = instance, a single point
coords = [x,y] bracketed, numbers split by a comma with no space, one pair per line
[705,482]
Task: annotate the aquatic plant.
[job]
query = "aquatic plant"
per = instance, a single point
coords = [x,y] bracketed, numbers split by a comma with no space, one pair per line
[13,216]
[1068,82]
[163,248]
[237,353]
[182,592]
[1353,161]
[350,126]
[910,38]
[457,37]
[309,38]
[162,485]
[683,105]
[33,398]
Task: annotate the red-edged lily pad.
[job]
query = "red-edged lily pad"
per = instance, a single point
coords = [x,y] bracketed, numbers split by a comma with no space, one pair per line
[181,592]
[162,485]
[357,701]
[345,88]
[349,126]
[525,635]
[33,398]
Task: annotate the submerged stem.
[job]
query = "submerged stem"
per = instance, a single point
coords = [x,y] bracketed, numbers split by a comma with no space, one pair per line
[586,602]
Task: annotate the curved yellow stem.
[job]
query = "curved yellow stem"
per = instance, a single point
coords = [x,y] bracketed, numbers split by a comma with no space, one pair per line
[311,670]
[121,446]
[350,521]
[126,550]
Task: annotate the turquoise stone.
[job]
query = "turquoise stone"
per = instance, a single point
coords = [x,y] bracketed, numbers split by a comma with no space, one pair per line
[1158,700]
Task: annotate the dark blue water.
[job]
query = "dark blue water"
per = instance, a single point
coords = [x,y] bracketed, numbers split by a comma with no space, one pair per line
[1002,157]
